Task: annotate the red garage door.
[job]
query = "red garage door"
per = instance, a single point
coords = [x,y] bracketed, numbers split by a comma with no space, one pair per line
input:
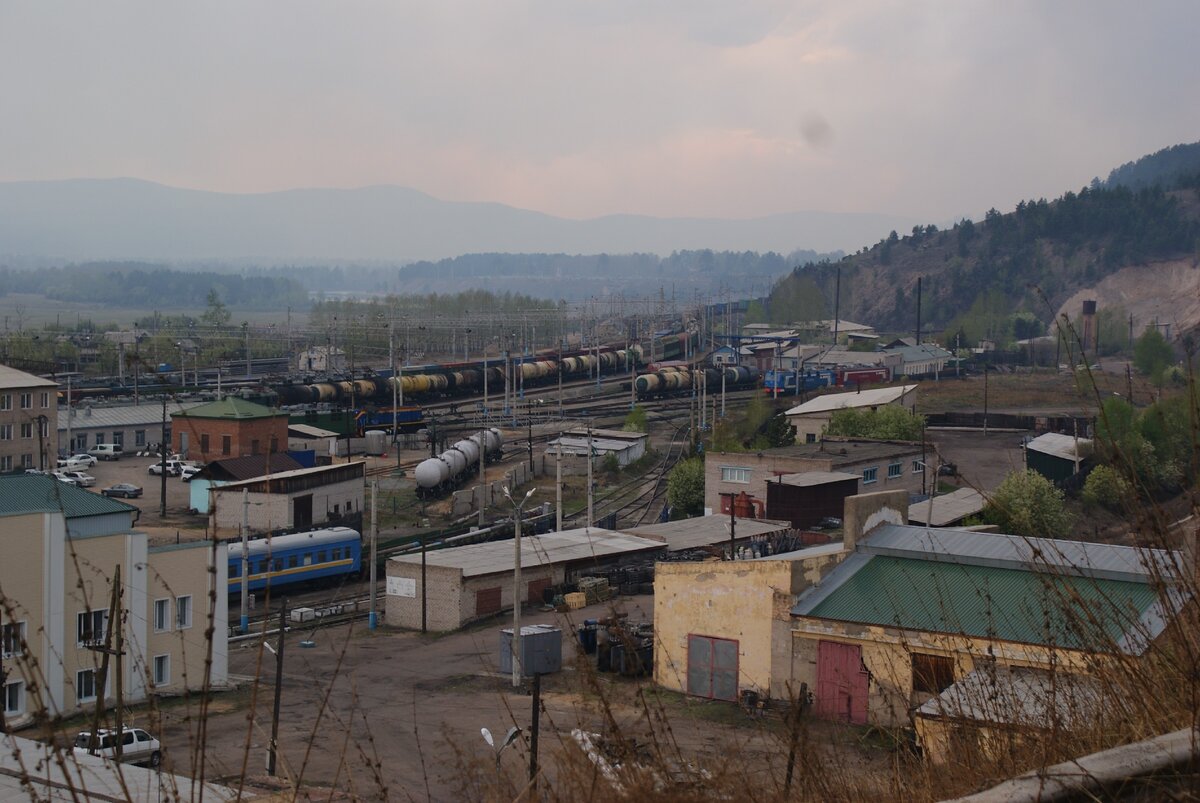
[487,600]
[536,587]
[841,683]
[712,669]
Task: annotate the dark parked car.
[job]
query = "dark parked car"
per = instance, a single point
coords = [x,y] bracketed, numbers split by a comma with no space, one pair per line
[125,489]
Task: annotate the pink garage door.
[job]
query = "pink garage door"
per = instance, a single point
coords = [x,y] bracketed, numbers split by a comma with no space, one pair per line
[712,669]
[841,683]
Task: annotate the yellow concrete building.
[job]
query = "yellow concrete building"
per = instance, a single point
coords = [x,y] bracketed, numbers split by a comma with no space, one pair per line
[62,546]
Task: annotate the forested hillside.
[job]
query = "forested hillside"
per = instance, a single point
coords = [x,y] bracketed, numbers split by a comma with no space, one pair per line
[1007,275]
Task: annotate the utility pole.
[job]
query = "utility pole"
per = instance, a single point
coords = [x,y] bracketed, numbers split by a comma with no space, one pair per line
[162,448]
[589,478]
[395,384]
[106,650]
[558,515]
[245,621]
[424,598]
[533,736]
[482,475]
[373,618]
[273,747]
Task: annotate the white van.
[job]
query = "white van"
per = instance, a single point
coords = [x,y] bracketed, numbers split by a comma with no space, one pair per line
[105,451]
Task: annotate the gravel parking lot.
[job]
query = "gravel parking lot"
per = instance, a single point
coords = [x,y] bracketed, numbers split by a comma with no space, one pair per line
[983,461]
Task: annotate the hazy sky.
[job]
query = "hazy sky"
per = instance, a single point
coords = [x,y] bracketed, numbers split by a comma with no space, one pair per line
[687,108]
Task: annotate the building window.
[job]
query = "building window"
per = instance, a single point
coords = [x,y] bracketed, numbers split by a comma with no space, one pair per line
[226,444]
[895,470]
[14,698]
[204,443]
[119,439]
[162,615]
[932,674]
[162,670]
[27,460]
[5,432]
[734,474]
[274,444]
[918,466]
[139,437]
[85,685]
[27,429]
[45,400]
[810,437]
[90,627]
[870,475]
[44,427]
[6,401]
[12,635]
[26,401]
[6,463]
[183,612]
[254,446]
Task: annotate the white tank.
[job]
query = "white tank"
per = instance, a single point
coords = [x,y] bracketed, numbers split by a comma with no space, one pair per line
[431,472]
[456,460]
[470,450]
[376,441]
[495,440]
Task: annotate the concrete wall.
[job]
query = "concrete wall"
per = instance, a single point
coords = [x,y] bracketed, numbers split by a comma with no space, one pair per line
[274,511]
[450,599]
[466,500]
[887,656]
[746,601]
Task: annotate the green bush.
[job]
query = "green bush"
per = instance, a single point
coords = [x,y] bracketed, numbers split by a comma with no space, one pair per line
[1104,487]
[1028,504]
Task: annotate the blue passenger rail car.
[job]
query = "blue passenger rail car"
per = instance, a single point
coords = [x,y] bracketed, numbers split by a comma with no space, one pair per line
[300,557]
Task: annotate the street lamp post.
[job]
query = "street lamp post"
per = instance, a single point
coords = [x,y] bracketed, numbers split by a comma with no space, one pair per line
[516,639]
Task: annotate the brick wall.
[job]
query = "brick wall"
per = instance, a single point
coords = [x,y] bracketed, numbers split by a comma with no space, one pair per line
[242,434]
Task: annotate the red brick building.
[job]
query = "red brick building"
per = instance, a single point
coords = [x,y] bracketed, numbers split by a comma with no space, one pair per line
[231,427]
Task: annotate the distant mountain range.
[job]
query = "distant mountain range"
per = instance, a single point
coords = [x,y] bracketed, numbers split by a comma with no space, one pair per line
[98,219]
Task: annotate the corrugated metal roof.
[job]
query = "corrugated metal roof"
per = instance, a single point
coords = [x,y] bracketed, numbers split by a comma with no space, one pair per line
[309,431]
[33,493]
[1019,696]
[985,602]
[948,508]
[1013,551]
[841,401]
[126,415]
[230,407]
[235,469]
[807,479]
[536,550]
[1062,446]
[287,475]
[705,530]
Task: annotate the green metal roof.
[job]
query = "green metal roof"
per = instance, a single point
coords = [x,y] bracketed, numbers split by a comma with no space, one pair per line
[989,602]
[33,493]
[229,407]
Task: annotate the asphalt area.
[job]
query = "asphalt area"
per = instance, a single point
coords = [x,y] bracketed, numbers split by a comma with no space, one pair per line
[983,461]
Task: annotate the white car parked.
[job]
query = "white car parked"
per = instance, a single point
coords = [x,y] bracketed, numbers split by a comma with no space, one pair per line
[77,461]
[137,746]
[80,479]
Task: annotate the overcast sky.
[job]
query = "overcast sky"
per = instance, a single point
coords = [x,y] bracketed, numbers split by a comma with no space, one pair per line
[686,108]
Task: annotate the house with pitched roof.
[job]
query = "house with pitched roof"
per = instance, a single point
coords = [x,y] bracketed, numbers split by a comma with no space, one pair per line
[231,427]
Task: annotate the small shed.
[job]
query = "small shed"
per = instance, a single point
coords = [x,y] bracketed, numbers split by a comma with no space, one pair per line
[948,509]
[628,447]
[1057,457]
[805,498]
[463,584]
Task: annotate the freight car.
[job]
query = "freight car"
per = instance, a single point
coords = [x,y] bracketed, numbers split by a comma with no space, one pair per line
[456,378]
[675,381]
[437,475]
[330,553]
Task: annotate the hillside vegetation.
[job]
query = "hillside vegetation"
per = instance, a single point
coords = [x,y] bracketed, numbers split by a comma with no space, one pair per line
[1007,275]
